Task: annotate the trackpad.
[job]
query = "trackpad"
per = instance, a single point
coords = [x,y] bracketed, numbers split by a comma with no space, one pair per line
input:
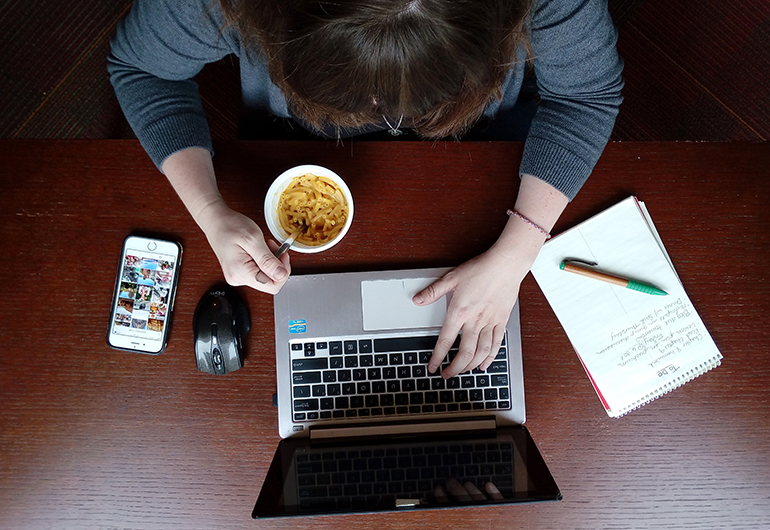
[387,304]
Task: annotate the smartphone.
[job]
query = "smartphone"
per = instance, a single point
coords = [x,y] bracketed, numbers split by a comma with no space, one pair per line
[144,294]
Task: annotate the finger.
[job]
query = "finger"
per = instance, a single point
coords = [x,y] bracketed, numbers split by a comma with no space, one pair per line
[440,493]
[474,492]
[446,339]
[457,491]
[473,350]
[434,291]
[492,491]
[263,279]
[497,340]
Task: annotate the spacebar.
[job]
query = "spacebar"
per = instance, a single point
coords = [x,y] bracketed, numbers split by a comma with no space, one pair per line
[405,343]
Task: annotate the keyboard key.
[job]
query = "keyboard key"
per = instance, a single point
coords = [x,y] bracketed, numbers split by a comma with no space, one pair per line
[410,358]
[366,360]
[305,404]
[378,387]
[301,391]
[335,348]
[351,362]
[310,349]
[405,343]
[333,390]
[393,386]
[348,389]
[359,374]
[304,378]
[296,347]
[396,358]
[336,362]
[319,390]
[344,375]
[330,376]
[482,380]
[380,359]
[498,367]
[303,365]
[461,395]
[404,372]
[365,346]
[490,394]
[499,380]
[350,347]
[389,373]
[419,371]
[408,385]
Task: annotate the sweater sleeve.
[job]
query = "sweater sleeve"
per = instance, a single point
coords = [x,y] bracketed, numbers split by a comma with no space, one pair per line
[579,80]
[160,45]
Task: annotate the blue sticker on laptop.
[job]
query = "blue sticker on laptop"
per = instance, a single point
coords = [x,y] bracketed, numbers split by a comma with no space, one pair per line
[297,326]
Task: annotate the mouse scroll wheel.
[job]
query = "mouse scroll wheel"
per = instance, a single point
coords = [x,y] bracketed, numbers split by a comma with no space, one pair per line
[217,358]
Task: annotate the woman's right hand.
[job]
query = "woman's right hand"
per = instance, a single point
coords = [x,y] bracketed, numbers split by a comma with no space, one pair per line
[246,258]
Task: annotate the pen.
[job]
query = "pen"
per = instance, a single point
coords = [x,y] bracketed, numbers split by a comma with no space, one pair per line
[609,278]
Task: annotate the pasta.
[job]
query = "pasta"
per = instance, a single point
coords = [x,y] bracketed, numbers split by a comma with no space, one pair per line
[315,204]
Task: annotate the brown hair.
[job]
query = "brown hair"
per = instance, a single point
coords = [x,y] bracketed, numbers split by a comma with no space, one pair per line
[348,63]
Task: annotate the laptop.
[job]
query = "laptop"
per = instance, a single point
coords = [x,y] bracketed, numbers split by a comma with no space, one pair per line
[366,428]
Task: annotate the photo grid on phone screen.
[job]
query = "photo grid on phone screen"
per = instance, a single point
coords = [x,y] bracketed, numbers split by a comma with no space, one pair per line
[143,294]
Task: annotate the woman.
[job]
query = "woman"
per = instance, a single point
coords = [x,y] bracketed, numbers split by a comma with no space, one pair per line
[351,66]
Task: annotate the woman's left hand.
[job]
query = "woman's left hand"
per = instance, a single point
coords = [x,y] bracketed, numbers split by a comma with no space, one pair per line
[484,291]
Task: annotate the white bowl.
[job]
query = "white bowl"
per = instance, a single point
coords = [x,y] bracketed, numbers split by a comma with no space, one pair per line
[273,197]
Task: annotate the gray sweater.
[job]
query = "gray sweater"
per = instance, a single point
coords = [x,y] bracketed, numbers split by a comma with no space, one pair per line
[162,44]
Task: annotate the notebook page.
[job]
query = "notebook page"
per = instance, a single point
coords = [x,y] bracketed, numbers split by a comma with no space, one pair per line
[634,346]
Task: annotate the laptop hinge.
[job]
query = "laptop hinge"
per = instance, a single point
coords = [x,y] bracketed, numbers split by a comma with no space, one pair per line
[394,429]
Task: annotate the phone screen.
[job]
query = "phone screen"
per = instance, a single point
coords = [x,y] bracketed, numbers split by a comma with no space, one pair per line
[144,294]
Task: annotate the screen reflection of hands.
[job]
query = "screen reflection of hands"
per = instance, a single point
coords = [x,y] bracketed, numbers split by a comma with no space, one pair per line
[466,492]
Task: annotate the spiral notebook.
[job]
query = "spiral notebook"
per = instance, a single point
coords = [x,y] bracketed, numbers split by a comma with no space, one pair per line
[634,346]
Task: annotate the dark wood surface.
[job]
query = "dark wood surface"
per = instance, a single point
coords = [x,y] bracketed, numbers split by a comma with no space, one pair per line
[97,438]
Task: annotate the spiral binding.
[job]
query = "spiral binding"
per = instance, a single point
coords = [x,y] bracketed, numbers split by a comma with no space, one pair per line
[680,380]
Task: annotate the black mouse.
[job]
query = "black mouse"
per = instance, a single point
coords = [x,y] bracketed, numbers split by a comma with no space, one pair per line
[220,322]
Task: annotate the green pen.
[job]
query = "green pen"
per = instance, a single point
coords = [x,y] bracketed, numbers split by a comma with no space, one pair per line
[570,266]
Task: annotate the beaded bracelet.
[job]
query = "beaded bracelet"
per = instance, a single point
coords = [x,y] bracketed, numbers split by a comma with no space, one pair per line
[530,223]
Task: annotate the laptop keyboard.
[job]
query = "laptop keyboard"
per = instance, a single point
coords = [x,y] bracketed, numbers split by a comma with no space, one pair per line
[339,378]
[375,477]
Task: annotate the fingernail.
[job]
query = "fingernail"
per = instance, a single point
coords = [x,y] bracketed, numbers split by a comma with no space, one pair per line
[418,299]
[280,273]
[432,369]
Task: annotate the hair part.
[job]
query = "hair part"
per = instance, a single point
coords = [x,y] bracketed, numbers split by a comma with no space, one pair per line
[348,63]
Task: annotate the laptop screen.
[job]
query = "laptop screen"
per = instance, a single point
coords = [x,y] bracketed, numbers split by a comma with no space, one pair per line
[307,477]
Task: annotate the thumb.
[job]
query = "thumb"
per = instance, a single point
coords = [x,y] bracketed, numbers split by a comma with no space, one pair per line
[272,267]
[433,292]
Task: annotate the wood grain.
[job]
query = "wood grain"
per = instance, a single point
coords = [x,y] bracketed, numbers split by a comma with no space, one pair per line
[96,438]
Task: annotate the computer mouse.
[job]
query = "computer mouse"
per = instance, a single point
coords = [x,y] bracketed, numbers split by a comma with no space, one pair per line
[220,322]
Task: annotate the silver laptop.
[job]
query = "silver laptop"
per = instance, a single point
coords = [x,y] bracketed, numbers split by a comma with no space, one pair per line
[367,428]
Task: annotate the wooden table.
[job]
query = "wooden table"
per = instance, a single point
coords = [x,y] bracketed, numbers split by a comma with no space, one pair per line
[96,438]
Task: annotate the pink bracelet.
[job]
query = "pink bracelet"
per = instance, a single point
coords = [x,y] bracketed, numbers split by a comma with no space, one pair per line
[530,223]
